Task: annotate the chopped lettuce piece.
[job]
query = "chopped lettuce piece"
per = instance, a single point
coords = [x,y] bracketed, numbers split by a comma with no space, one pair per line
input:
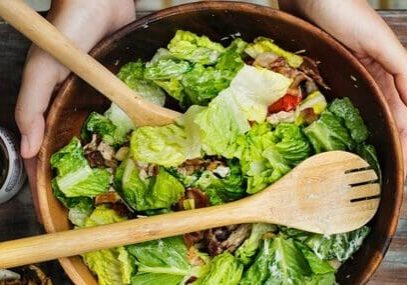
[368,153]
[112,266]
[269,154]
[166,69]
[132,74]
[262,45]
[224,269]
[223,190]
[162,260]
[204,83]
[166,146]
[316,101]
[78,214]
[282,261]
[338,246]
[101,125]
[75,178]
[247,251]
[142,193]
[120,119]
[328,133]
[194,48]
[221,125]
[343,108]
[254,89]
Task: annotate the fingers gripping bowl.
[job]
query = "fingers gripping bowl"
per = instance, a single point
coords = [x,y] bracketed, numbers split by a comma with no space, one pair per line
[141,39]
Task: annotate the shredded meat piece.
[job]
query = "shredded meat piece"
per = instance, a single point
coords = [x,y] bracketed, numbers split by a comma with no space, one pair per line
[200,199]
[193,256]
[227,238]
[109,197]
[152,170]
[309,115]
[92,145]
[95,159]
[310,68]
[122,210]
[193,239]
[191,280]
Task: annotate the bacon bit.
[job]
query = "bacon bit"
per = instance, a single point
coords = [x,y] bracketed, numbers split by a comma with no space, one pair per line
[248,60]
[95,159]
[195,162]
[286,103]
[194,238]
[193,257]
[152,170]
[213,165]
[227,238]
[122,210]
[109,197]
[200,199]
[310,68]
[308,115]
[191,280]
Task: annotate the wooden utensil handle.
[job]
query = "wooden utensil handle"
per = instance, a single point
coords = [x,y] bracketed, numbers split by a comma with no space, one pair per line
[47,37]
[73,242]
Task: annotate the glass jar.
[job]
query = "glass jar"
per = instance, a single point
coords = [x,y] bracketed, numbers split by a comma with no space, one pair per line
[12,174]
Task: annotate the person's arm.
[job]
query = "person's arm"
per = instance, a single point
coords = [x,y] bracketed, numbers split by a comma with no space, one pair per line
[85,23]
[363,31]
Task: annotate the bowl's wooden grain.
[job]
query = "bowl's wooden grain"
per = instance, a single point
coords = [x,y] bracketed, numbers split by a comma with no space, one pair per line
[219,20]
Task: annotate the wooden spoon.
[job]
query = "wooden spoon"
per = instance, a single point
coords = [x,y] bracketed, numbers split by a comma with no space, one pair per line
[47,37]
[329,193]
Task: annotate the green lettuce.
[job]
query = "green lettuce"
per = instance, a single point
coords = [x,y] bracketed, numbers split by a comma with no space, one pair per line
[254,89]
[120,119]
[202,83]
[221,125]
[224,269]
[162,260]
[74,177]
[112,266]
[247,251]
[368,153]
[283,261]
[338,246]
[222,190]
[147,193]
[271,153]
[197,49]
[328,133]
[262,45]
[132,74]
[344,109]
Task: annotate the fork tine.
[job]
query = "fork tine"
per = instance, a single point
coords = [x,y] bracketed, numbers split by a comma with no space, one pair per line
[362,191]
[361,176]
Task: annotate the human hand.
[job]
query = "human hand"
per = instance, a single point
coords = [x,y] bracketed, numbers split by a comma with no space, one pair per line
[363,31]
[85,23]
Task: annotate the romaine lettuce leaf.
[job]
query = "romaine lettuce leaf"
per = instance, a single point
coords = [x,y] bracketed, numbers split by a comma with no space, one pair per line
[120,119]
[163,260]
[282,261]
[221,125]
[339,246]
[204,83]
[262,45]
[328,133]
[254,89]
[142,193]
[247,251]
[164,69]
[223,190]
[343,108]
[197,49]
[368,153]
[112,266]
[132,74]
[224,269]
[74,177]
[269,154]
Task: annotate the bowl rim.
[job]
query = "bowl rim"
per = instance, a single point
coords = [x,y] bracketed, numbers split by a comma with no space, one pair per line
[43,163]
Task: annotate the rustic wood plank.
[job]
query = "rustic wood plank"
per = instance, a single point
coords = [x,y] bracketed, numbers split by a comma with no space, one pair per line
[18,214]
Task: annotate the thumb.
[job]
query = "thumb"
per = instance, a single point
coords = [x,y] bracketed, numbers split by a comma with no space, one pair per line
[40,76]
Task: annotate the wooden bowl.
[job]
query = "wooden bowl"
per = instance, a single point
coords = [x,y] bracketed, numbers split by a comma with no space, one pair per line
[220,20]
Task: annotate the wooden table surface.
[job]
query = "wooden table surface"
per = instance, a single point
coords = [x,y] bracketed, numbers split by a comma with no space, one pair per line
[17,217]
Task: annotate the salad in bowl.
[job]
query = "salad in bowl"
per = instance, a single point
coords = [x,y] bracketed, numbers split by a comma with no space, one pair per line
[252,112]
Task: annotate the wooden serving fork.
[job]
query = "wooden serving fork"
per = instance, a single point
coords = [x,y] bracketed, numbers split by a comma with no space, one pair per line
[328,193]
